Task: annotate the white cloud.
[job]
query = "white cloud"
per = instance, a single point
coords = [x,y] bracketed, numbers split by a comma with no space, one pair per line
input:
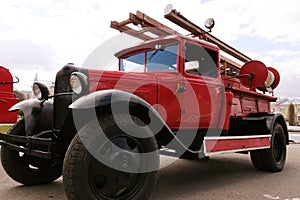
[283,53]
[25,53]
[48,34]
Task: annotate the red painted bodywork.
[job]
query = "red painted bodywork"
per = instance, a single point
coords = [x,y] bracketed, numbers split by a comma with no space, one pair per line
[7,97]
[236,144]
[205,103]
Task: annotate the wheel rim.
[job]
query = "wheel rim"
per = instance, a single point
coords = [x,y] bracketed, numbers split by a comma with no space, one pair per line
[109,183]
[278,148]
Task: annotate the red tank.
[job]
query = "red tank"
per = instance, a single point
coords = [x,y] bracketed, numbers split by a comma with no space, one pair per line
[7,97]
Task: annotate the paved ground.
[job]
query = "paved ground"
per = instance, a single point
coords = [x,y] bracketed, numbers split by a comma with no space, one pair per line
[294,128]
[229,176]
[295,137]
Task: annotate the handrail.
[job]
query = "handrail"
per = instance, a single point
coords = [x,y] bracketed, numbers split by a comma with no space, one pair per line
[12,82]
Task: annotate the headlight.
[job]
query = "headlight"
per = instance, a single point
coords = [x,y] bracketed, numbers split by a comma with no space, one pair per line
[36,91]
[75,84]
[78,82]
[40,91]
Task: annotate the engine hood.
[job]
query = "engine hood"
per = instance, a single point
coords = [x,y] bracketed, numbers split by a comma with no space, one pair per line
[143,85]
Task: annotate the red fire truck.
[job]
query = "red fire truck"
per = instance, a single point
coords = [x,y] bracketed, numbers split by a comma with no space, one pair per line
[104,130]
[7,97]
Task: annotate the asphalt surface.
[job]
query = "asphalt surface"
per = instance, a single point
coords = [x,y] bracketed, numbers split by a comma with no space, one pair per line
[228,176]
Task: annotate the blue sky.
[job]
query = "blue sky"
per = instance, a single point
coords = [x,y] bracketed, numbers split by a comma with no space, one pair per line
[45,35]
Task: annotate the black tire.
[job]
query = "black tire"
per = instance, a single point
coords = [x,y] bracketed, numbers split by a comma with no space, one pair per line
[189,156]
[26,169]
[273,159]
[85,177]
[193,156]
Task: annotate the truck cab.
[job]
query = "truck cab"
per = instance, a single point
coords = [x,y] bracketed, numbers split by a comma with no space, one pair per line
[173,74]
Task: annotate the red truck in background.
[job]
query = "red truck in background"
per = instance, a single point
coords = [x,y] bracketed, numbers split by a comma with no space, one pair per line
[173,95]
[7,97]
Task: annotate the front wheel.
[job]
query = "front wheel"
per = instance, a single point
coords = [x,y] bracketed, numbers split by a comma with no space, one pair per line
[97,167]
[272,159]
[25,169]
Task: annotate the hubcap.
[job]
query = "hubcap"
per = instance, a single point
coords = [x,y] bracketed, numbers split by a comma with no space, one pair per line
[114,181]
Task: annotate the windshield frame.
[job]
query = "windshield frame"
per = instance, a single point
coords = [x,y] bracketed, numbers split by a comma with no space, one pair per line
[147,48]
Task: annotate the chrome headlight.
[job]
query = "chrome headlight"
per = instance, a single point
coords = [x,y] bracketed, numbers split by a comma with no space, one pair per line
[40,91]
[78,82]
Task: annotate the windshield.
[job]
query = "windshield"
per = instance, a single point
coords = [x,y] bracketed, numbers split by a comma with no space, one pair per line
[163,58]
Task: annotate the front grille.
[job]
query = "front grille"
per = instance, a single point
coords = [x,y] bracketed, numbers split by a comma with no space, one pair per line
[61,103]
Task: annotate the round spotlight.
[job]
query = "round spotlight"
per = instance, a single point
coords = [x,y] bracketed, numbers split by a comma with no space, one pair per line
[168,9]
[209,23]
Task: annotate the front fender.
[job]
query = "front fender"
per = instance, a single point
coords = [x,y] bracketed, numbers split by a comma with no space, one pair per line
[107,97]
[125,102]
[38,116]
[118,100]
[122,102]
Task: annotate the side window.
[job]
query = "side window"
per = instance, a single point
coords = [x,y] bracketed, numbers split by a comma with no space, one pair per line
[201,61]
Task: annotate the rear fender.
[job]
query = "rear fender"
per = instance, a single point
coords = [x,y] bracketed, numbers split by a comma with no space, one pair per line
[37,115]
[277,118]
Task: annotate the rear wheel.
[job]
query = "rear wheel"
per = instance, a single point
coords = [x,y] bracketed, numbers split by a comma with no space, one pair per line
[109,167]
[272,159]
[25,169]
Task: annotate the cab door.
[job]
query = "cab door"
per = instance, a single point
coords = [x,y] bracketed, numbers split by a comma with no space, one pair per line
[201,104]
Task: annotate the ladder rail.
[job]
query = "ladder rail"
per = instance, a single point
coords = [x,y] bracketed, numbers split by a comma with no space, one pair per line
[148,24]
[183,22]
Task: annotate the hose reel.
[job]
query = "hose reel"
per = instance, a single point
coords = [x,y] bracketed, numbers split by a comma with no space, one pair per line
[255,74]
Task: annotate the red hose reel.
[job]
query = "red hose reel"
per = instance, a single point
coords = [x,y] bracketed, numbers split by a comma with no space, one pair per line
[255,74]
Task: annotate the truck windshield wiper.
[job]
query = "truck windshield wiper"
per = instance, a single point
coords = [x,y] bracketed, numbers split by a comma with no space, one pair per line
[157,47]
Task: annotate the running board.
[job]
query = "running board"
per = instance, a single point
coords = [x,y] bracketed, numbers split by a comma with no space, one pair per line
[231,144]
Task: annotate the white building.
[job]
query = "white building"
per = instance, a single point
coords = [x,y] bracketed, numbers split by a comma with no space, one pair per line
[282,106]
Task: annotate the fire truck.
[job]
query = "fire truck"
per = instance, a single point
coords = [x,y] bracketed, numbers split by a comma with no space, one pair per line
[173,94]
[7,97]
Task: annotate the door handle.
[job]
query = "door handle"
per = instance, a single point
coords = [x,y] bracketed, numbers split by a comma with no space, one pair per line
[180,88]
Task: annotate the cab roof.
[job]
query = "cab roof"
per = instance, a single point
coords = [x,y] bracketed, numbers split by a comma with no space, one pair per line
[150,44]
